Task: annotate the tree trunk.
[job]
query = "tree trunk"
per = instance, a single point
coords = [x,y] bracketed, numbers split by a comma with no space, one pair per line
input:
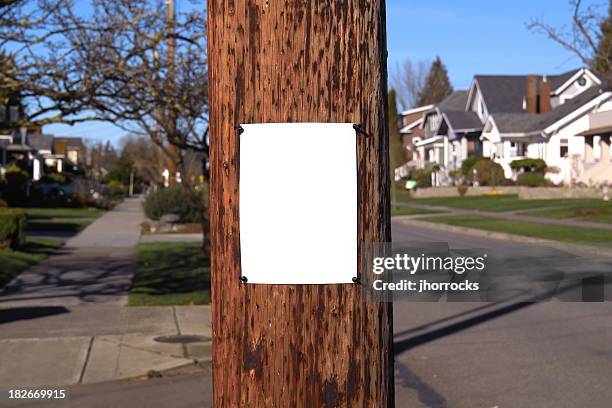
[297,61]
[200,200]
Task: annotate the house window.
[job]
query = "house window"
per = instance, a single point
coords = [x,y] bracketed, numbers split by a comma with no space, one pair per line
[73,156]
[14,114]
[471,147]
[516,149]
[563,148]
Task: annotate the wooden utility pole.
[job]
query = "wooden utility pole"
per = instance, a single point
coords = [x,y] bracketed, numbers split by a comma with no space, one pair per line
[297,61]
[170,114]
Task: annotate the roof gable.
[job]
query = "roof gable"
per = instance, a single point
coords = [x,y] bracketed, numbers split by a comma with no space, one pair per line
[456,101]
[461,121]
[532,122]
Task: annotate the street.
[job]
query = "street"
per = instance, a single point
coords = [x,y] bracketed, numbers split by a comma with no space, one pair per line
[510,354]
[550,354]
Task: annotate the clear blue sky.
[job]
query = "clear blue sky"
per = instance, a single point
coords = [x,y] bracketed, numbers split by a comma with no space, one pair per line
[477,36]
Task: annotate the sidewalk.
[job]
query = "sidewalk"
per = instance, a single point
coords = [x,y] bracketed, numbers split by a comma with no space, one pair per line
[119,228]
[64,322]
[96,266]
[79,348]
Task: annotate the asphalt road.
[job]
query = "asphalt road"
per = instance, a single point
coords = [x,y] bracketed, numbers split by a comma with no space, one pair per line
[506,354]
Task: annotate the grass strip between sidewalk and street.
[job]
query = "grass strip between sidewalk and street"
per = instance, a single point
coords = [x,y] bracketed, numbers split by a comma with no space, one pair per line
[562,233]
[12,263]
[176,273]
[501,203]
[63,212]
[599,213]
[72,220]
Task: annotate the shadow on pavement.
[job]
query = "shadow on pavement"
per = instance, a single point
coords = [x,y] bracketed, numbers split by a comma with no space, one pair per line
[84,275]
[400,346]
[27,313]
[414,341]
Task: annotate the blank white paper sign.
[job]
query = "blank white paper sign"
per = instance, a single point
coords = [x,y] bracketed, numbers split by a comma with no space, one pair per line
[298,203]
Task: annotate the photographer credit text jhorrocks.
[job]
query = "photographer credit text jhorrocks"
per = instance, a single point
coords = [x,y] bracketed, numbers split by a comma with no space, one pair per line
[412,265]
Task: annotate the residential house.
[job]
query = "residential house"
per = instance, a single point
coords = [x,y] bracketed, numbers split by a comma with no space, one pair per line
[541,117]
[43,144]
[597,165]
[411,133]
[11,112]
[30,147]
[511,117]
[41,153]
[69,151]
[449,135]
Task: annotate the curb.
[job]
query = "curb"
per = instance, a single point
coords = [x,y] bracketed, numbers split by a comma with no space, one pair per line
[576,249]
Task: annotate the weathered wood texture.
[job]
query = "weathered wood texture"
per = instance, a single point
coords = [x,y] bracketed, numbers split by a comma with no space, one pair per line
[297,61]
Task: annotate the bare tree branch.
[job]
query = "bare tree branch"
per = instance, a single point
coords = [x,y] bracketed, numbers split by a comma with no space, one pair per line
[110,65]
[408,80]
[581,38]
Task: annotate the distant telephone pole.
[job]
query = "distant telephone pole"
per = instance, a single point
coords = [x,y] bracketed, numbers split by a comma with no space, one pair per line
[297,61]
[170,114]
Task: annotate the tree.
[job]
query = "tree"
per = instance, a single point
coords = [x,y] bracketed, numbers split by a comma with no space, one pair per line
[145,156]
[602,63]
[396,147]
[122,169]
[408,81]
[437,87]
[129,62]
[589,36]
[37,66]
[102,157]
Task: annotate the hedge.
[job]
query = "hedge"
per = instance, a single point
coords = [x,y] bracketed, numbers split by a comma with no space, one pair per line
[532,179]
[12,228]
[468,164]
[174,200]
[536,165]
[422,177]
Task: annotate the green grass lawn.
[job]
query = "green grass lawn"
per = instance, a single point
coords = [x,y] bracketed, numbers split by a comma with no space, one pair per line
[60,219]
[412,211]
[501,203]
[602,212]
[561,233]
[12,263]
[171,274]
[63,212]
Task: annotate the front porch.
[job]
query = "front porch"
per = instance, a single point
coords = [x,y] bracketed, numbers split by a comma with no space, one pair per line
[597,167]
[597,164]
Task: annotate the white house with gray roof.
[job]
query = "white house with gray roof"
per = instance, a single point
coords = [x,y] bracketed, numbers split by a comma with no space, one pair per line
[451,134]
[511,117]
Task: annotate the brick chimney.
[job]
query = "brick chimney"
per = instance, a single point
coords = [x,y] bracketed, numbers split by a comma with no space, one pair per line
[544,96]
[532,94]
